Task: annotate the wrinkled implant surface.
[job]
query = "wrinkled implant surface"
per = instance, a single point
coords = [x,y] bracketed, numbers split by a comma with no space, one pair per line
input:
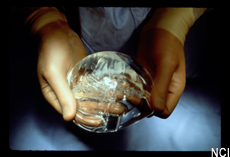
[112,92]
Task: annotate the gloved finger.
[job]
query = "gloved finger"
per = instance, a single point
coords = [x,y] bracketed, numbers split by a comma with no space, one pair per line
[93,107]
[161,84]
[49,94]
[166,57]
[89,112]
[175,90]
[88,120]
[59,85]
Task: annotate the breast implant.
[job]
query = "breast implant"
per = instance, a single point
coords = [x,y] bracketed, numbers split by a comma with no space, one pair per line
[112,92]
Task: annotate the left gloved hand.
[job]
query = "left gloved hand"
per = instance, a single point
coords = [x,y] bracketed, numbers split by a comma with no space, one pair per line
[162,54]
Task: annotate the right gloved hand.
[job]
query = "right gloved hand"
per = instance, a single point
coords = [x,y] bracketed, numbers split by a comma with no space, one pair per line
[60,49]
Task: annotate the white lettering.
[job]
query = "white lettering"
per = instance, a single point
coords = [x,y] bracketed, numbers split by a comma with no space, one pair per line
[220,152]
[216,153]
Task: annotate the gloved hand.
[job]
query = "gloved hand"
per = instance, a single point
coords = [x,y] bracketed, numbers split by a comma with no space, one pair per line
[161,52]
[60,49]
